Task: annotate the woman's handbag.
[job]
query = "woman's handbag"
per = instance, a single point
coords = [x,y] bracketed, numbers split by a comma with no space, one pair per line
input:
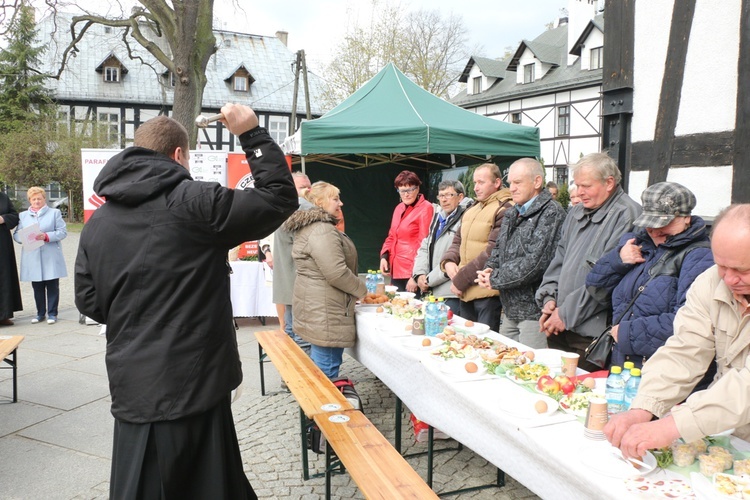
[599,351]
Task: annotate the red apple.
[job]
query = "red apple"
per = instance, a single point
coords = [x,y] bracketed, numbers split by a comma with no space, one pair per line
[547,384]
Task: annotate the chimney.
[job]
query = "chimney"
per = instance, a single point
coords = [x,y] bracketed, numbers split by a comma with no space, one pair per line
[283,36]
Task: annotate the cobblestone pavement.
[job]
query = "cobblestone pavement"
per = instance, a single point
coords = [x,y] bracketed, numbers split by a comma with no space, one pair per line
[55,438]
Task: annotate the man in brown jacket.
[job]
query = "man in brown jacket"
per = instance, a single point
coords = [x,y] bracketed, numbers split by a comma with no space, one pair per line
[473,245]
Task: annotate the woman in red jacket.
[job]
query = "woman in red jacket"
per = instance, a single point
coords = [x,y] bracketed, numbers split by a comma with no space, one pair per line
[409,226]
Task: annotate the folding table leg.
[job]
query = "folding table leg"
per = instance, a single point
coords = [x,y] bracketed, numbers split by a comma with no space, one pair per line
[261,362]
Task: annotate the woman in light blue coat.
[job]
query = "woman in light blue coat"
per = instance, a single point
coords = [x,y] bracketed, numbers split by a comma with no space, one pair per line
[43,266]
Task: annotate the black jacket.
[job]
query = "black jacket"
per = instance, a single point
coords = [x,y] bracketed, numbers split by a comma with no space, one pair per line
[525,247]
[152,265]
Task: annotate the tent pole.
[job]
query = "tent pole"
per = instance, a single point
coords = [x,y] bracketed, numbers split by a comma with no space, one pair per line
[303,164]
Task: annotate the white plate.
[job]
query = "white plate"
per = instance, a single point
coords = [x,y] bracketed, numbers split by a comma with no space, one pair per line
[456,369]
[415,343]
[602,460]
[367,308]
[578,413]
[524,407]
[476,329]
[511,376]
[406,295]
[550,357]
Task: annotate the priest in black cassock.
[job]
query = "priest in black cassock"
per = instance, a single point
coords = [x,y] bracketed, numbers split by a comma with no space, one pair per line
[10,291]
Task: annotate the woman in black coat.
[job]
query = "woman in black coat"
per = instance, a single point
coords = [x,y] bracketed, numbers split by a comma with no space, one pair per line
[10,291]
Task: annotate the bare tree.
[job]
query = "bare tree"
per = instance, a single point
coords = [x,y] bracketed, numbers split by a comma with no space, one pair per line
[428,48]
[179,36]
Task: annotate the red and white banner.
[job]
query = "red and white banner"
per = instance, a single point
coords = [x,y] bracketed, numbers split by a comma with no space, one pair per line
[205,165]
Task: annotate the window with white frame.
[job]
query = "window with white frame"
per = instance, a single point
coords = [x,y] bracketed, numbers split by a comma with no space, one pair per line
[240,83]
[477,88]
[563,120]
[528,73]
[111,74]
[595,61]
[515,118]
[278,128]
[110,125]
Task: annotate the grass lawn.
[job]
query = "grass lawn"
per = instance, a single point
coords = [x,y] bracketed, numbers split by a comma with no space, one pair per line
[74,227]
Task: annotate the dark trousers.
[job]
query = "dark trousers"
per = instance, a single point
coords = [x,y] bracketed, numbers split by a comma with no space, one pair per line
[572,342]
[194,457]
[454,304]
[46,296]
[485,311]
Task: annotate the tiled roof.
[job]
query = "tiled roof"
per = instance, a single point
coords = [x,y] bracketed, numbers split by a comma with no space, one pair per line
[550,46]
[266,58]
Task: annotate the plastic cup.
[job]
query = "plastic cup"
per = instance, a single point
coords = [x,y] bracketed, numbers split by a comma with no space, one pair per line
[569,363]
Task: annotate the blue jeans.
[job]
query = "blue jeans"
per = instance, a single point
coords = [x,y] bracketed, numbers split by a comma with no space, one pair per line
[46,297]
[288,324]
[328,359]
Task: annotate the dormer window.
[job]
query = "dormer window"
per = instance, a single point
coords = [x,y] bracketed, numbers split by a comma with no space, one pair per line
[240,83]
[477,81]
[528,73]
[112,69]
[240,79]
[111,74]
[595,61]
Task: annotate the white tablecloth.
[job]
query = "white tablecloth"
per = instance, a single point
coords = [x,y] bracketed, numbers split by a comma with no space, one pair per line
[252,293]
[545,459]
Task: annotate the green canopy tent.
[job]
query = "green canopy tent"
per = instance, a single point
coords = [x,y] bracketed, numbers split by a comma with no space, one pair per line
[391,124]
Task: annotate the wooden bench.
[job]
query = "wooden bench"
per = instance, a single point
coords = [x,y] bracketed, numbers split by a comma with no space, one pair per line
[8,351]
[378,469]
[314,392]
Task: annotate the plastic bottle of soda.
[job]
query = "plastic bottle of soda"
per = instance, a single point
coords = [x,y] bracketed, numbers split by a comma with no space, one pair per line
[615,392]
[370,281]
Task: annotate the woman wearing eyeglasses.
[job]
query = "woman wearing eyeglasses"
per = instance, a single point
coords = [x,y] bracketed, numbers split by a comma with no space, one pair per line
[409,226]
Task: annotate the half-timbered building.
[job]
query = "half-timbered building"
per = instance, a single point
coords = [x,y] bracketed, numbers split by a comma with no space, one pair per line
[552,82]
[119,86]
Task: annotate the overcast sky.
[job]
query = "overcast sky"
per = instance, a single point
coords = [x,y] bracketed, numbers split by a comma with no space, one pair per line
[317,26]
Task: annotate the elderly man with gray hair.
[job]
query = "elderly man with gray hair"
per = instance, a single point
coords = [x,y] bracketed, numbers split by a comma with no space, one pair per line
[452,202]
[524,248]
[571,317]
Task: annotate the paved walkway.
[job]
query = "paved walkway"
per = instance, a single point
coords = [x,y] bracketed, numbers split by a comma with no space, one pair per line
[56,442]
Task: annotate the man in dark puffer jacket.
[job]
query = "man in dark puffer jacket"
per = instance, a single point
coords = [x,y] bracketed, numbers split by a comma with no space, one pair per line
[525,246]
[152,265]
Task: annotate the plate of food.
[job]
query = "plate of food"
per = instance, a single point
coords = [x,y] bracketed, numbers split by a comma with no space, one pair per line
[577,403]
[406,295]
[527,374]
[730,486]
[420,343]
[463,369]
[470,327]
[608,461]
[530,406]
[454,350]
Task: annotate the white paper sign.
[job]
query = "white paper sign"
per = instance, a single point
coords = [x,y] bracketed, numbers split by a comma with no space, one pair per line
[28,236]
